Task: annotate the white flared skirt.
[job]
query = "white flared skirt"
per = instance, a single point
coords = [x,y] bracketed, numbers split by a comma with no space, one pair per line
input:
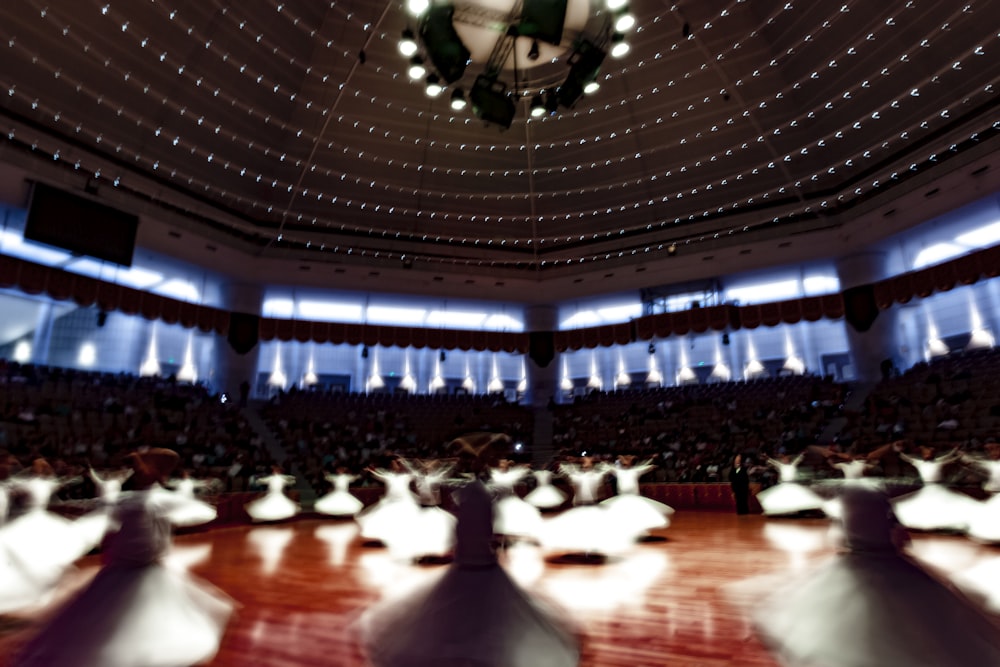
[149,616]
[272,507]
[639,513]
[338,503]
[545,497]
[386,518]
[868,610]
[516,518]
[984,523]
[789,498]
[193,512]
[467,618]
[429,533]
[588,529]
[935,507]
[45,543]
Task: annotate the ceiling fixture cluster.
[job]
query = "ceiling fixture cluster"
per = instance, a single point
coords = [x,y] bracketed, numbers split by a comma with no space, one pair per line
[528,49]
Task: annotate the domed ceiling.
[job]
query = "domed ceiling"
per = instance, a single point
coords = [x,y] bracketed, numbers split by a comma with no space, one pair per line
[292,130]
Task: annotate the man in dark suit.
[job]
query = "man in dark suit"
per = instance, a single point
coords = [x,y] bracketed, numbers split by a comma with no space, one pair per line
[739,481]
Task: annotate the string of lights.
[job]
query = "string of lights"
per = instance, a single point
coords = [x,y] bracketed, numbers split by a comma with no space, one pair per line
[619,197]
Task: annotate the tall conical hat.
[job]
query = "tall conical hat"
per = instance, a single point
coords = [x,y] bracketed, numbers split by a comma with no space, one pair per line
[152,466]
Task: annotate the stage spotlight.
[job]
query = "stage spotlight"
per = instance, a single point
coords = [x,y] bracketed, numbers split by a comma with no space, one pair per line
[616,4]
[408,43]
[458,99]
[434,87]
[443,45]
[537,107]
[417,69]
[584,65]
[491,101]
[544,20]
[619,47]
[591,87]
[652,348]
[417,7]
[624,20]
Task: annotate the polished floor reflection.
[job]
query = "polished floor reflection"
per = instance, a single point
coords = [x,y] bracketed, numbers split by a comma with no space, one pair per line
[302,586]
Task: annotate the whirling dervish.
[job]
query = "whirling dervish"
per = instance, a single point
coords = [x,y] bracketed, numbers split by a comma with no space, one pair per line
[873,606]
[136,612]
[37,547]
[192,511]
[397,508]
[409,531]
[984,523]
[545,496]
[853,468]
[934,506]
[473,614]
[339,501]
[428,476]
[273,505]
[788,496]
[631,508]
[95,524]
[588,529]
[512,517]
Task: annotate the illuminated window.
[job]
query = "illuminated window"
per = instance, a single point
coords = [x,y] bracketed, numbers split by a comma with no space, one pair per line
[455,319]
[178,289]
[937,253]
[584,318]
[982,237]
[499,322]
[278,308]
[330,311]
[764,292]
[395,315]
[816,285]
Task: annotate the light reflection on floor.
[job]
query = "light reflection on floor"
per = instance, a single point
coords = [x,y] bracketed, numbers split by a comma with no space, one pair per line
[338,537]
[269,543]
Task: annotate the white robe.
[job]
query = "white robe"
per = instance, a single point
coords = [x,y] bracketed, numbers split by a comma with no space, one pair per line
[472,613]
[273,505]
[934,506]
[788,496]
[871,606]
[339,501]
[545,495]
[513,516]
[136,612]
[631,508]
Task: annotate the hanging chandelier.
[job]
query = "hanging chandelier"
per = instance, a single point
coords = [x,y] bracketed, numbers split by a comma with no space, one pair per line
[495,54]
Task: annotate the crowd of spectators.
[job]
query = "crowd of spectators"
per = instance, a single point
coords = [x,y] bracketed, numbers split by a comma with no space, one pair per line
[321,432]
[692,432]
[952,401]
[78,419]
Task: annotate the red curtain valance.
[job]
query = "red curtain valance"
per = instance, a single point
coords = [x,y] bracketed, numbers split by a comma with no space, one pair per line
[62,285]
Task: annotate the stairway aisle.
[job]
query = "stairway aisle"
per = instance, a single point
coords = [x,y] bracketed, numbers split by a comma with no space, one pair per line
[307,496]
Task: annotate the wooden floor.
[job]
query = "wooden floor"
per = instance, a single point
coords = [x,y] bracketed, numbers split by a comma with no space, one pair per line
[302,586]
